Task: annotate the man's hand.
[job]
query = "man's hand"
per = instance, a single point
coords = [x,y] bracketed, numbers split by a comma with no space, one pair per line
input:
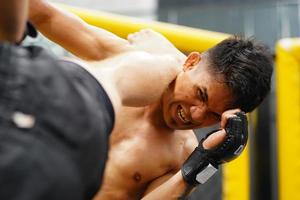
[154,43]
[218,137]
[203,163]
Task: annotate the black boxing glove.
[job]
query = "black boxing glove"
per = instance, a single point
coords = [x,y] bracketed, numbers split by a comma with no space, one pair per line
[203,163]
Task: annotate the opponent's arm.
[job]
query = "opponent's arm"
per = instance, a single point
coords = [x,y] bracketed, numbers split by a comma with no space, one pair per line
[203,162]
[13,15]
[72,33]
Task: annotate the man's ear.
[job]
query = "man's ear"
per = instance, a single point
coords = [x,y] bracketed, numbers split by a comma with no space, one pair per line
[192,60]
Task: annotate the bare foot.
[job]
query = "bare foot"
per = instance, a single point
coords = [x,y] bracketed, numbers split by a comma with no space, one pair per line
[154,43]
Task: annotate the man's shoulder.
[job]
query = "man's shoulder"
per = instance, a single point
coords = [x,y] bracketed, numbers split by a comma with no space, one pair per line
[190,141]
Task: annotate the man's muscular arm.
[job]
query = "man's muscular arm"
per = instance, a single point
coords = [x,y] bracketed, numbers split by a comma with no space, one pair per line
[72,33]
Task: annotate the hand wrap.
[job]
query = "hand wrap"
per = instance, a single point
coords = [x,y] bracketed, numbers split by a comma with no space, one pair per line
[203,163]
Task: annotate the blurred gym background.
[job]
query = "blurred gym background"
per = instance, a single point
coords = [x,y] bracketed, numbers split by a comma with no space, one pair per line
[265,164]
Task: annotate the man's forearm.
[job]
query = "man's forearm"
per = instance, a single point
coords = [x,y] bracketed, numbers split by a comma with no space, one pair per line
[13,15]
[175,188]
[72,33]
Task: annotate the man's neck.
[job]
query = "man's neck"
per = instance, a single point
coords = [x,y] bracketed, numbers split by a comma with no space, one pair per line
[154,113]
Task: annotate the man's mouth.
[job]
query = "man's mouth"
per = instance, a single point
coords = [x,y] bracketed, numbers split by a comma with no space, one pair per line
[181,115]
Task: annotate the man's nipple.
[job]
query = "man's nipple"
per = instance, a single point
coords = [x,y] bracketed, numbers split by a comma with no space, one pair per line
[137,177]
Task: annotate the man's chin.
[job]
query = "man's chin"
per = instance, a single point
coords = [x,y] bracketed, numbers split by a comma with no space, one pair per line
[172,125]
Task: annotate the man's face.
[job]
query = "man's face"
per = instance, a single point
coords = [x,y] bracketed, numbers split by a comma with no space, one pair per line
[197,98]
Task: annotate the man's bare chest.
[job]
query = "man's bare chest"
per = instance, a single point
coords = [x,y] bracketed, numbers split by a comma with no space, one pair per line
[142,152]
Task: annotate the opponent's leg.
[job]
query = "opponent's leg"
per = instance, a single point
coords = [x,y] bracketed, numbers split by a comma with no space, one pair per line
[66,127]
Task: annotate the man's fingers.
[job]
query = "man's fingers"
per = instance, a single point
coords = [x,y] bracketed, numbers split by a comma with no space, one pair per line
[228,114]
[214,139]
[225,118]
[130,37]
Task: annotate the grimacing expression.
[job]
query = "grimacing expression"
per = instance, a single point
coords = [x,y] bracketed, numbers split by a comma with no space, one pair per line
[197,98]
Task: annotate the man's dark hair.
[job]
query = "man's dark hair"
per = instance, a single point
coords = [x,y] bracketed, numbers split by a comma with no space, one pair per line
[247,67]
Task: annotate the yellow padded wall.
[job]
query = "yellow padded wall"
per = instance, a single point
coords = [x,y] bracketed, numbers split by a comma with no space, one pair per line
[186,39]
[288,117]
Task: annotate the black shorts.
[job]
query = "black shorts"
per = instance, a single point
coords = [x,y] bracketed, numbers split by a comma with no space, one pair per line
[61,152]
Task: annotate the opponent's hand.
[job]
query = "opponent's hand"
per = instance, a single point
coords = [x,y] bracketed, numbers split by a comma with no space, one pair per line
[154,43]
[203,163]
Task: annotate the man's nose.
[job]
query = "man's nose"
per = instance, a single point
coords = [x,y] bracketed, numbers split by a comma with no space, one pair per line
[198,112]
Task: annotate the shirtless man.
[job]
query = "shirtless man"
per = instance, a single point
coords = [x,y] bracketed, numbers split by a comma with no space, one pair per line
[149,144]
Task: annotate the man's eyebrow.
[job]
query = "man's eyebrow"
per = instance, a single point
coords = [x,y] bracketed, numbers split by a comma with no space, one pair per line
[204,95]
